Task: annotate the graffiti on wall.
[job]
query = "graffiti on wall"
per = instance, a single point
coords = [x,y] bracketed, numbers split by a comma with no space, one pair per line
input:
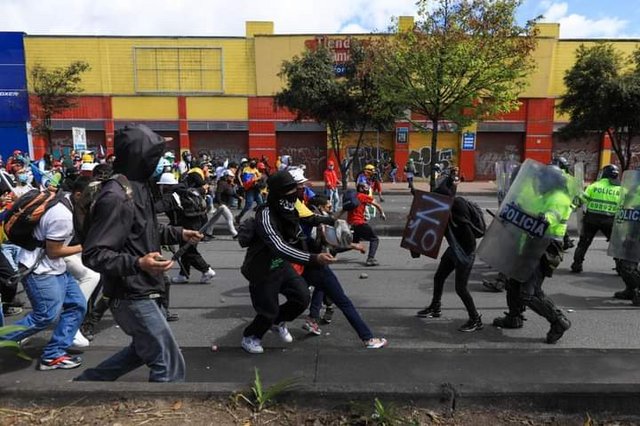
[588,157]
[224,153]
[314,159]
[422,159]
[368,155]
[486,160]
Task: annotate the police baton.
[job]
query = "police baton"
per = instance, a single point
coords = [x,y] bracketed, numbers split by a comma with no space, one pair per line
[491,213]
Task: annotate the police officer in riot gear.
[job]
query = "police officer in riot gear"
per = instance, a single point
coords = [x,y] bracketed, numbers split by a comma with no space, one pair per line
[563,164]
[601,198]
[554,202]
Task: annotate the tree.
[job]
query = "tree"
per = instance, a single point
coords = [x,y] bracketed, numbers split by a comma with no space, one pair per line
[603,96]
[461,61]
[57,91]
[343,104]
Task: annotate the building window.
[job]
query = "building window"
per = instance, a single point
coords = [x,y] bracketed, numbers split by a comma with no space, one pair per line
[178,70]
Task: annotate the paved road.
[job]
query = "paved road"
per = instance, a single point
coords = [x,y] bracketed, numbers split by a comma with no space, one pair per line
[600,352]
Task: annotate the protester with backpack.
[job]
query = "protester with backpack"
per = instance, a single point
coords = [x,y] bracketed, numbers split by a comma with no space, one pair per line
[123,243]
[41,223]
[458,257]
[192,214]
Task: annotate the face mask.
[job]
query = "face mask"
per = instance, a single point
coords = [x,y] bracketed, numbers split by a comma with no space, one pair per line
[287,202]
[159,169]
[23,178]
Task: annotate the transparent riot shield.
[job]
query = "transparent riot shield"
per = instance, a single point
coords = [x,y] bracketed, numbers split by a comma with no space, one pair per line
[522,230]
[578,173]
[625,236]
[504,176]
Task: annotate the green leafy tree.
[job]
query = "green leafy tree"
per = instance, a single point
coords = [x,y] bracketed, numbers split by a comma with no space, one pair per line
[344,104]
[603,96]
[57,90]
[461,61]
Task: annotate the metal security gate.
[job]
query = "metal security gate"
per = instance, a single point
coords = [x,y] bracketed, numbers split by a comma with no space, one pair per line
[308,148]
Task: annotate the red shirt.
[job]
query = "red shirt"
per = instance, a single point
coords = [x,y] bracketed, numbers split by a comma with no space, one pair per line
[356,216]
[330,179]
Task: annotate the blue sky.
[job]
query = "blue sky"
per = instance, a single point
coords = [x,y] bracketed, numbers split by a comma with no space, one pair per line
[577,18]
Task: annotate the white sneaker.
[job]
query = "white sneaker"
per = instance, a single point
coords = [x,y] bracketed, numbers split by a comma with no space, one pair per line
[252,344]
[208,276]
[282,331]
[180,279]
[79,341]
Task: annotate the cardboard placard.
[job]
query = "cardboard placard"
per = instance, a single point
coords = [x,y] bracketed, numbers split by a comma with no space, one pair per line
[427,223]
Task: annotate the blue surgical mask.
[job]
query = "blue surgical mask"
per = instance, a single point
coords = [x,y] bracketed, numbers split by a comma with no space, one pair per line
[159,168]
[23,178]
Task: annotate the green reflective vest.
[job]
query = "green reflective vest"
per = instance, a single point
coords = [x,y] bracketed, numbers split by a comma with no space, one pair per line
[603,197]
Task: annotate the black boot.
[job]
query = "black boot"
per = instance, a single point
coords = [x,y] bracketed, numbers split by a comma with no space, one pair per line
[431,311]
[509,321]
[626,294]
[576,267]
[557,329]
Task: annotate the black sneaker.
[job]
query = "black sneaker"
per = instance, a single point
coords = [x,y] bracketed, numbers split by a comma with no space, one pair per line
[88,331]
[65,362]
[431,311]
[328,316]
[474,324]
[509,321]
[626,294]
[557,329]
[496,286]
[9,311]
[576,268]
[172,317]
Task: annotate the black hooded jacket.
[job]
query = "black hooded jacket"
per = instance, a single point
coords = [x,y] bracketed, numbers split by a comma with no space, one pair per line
[458,227]
[125,227]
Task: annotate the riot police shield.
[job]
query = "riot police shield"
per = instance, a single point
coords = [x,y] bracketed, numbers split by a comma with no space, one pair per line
[578,173]
[504,176]
[625,236]
[537,201]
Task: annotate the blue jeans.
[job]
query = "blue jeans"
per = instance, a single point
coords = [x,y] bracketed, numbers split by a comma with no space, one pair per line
[11,252]
[334,198]
[253,196]
[52,297]
[323,278]
[152,344]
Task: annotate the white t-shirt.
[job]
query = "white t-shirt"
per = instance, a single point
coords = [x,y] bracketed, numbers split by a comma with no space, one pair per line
[55,225]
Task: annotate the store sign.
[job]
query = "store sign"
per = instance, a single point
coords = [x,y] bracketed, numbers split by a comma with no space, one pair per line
[402,135]
[469,141]
[339,48]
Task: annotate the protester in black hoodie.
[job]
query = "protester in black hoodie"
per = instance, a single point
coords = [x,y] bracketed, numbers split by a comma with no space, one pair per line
[459,256]
[123,243]
[277,248]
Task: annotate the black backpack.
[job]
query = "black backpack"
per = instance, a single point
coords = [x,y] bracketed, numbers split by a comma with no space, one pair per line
[25,214]
[247,232]
[193,203]
[350,200]
[477,223]
[82,213]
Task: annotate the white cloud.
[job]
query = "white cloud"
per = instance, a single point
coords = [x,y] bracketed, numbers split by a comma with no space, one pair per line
[580,26]
[197,17]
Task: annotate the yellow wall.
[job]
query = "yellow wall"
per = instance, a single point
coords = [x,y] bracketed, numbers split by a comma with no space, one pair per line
[112,63]
[269,54]
[446,141]
[145,108]
[219,108]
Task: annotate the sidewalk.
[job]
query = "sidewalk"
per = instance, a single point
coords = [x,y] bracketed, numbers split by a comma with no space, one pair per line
[487,188]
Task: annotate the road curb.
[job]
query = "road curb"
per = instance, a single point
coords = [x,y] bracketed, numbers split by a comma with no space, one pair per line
[591,397]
